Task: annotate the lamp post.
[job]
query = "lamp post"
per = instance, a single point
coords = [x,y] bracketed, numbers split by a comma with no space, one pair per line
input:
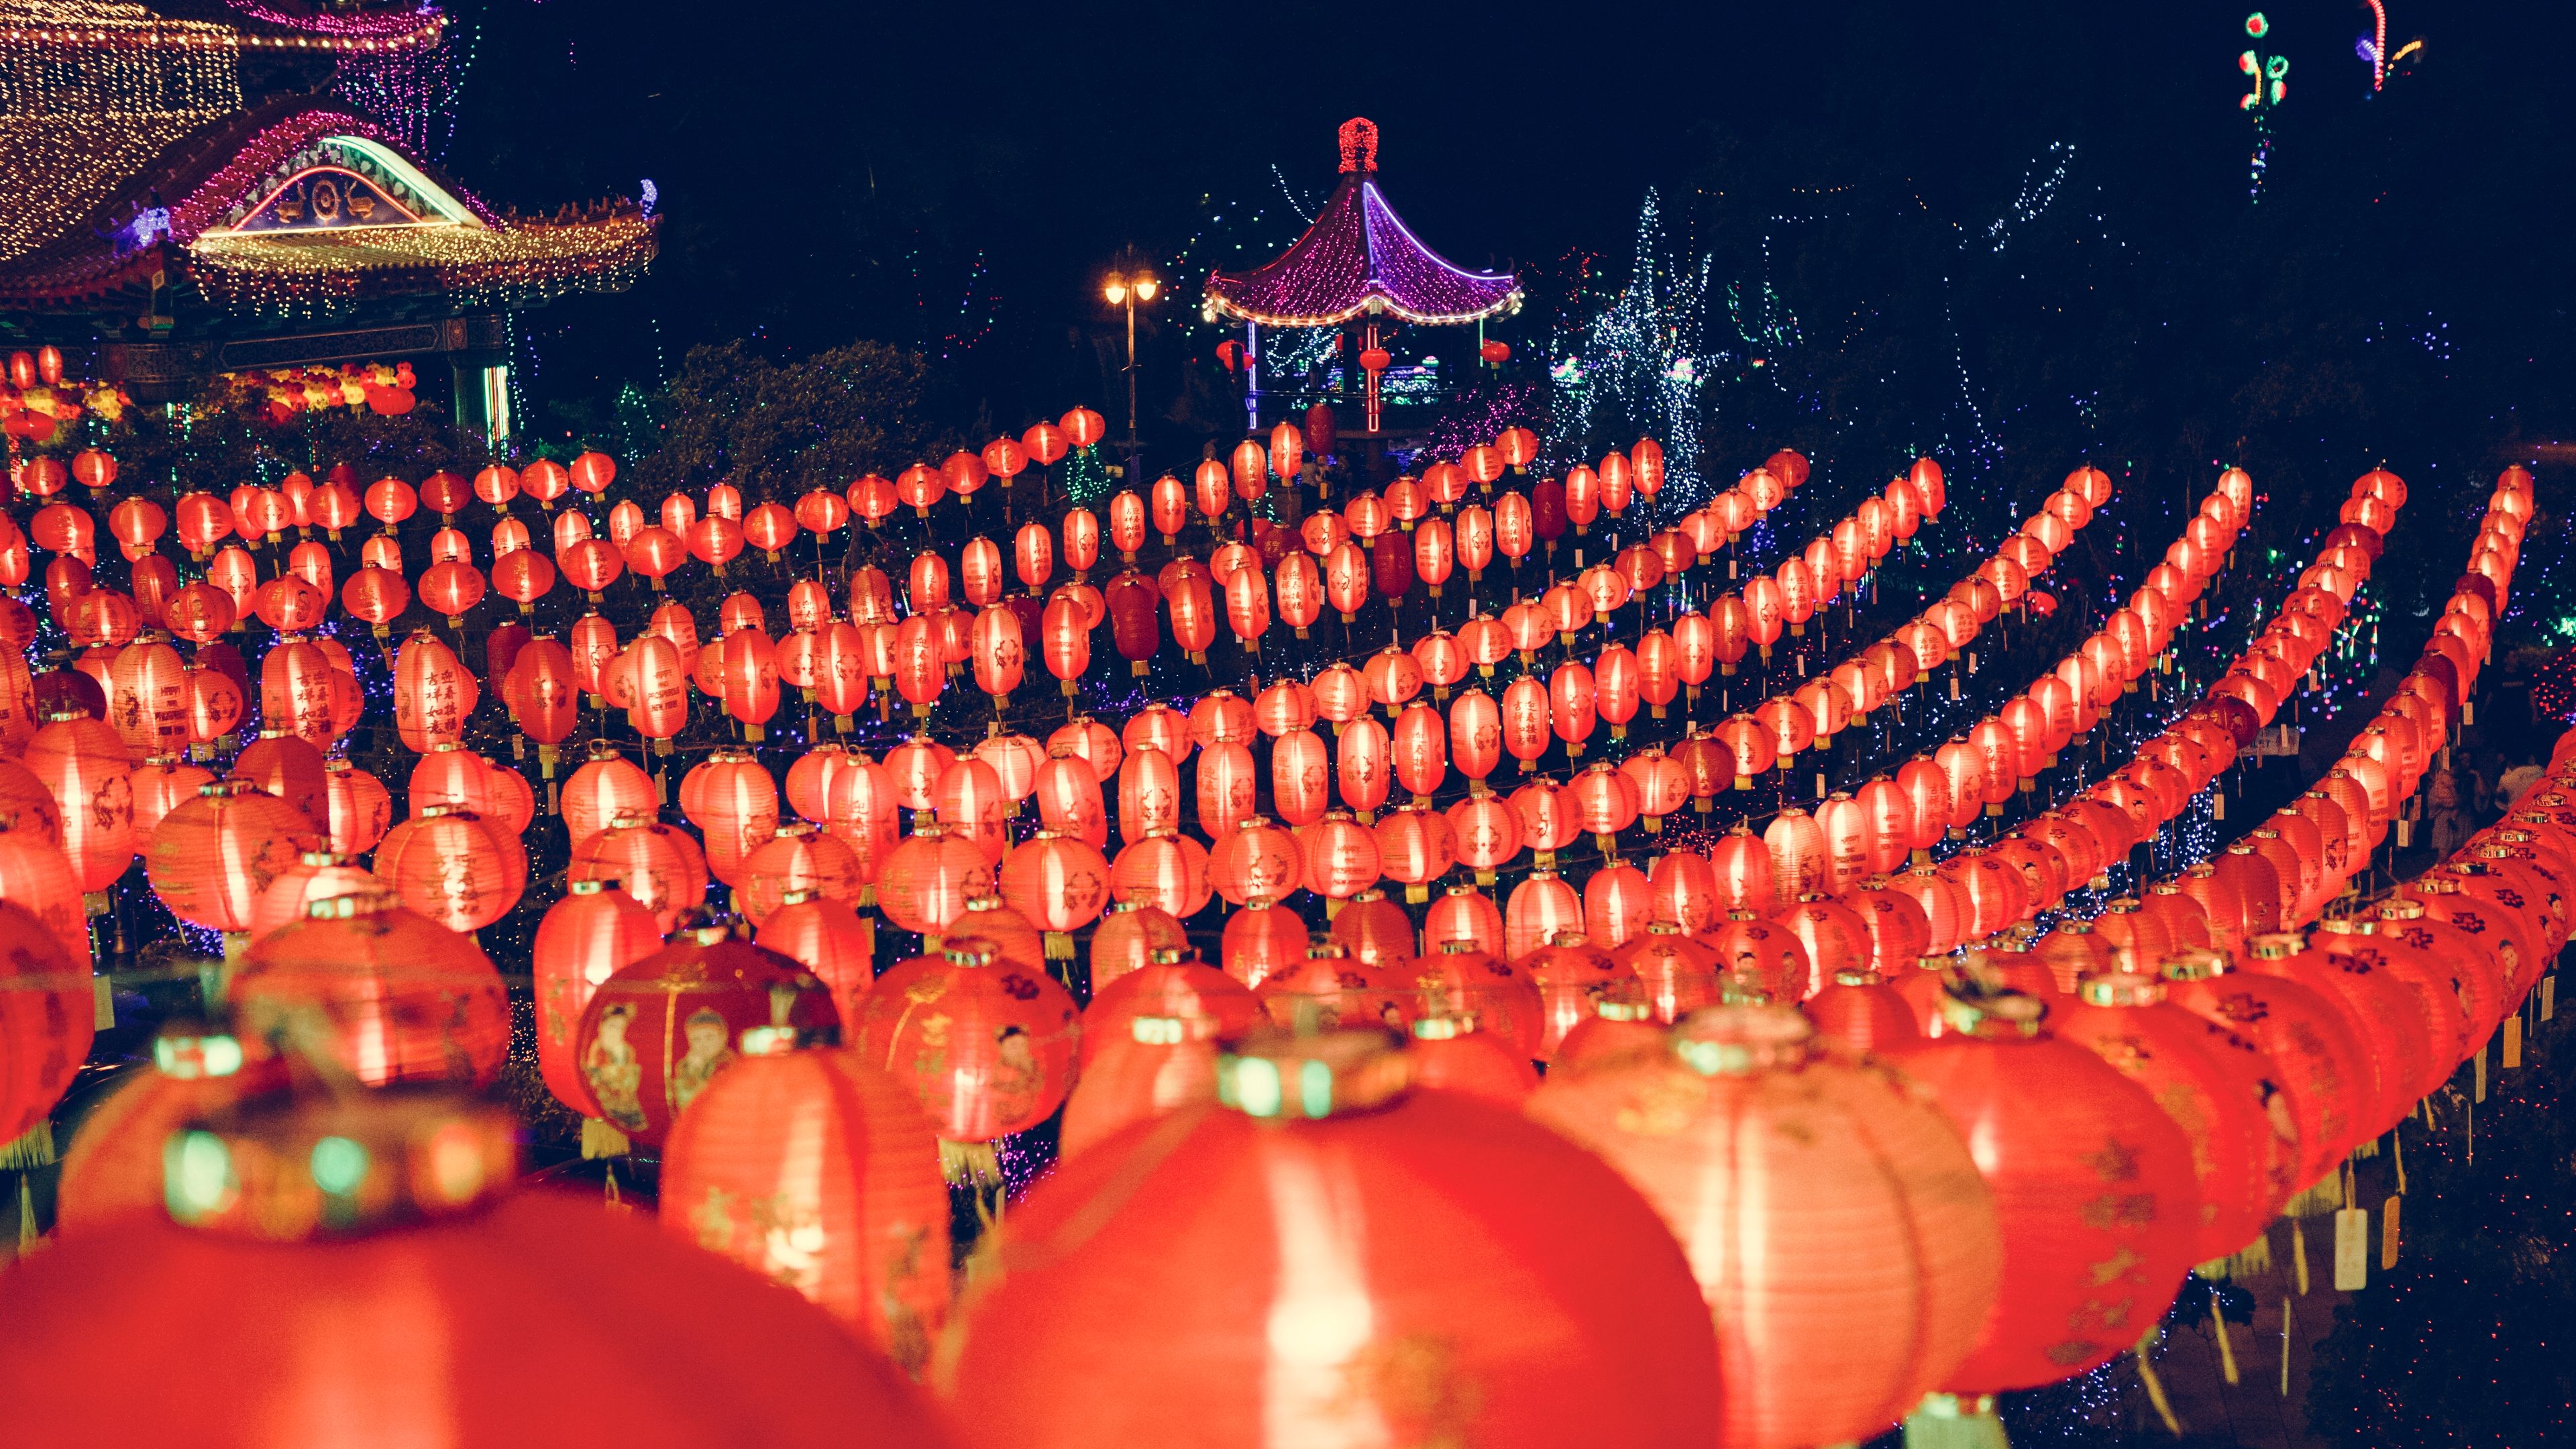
[1126,290]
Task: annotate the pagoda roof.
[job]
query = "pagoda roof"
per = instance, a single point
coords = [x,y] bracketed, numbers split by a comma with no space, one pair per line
[186,205]
[1360,258]
[154,193]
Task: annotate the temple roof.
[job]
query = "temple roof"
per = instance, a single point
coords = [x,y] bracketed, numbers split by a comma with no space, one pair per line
[1359,257]
[153,185]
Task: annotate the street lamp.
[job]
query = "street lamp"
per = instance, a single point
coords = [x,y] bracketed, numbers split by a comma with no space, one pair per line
[1125,290]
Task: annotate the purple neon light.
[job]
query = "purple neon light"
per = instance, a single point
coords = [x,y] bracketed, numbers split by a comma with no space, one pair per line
[1359,257]
[377,23]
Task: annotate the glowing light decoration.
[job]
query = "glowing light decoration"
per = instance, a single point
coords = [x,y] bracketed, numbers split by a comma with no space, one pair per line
[1359,258]
[1635,369]
[2374,46]
[2267,74]
[2035,195]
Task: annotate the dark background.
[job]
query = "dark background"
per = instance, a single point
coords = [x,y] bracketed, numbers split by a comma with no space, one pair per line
[956,179]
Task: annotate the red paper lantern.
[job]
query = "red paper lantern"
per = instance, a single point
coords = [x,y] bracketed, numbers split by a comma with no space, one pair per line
[1517,1185]
[1817,1161]
[995,1057]
[586,937]
[657,1031]
[819,1140]
[2092,1186]
[395,996]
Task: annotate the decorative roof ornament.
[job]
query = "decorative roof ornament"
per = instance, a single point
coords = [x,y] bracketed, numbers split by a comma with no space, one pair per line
[1359,258]
[1359,144]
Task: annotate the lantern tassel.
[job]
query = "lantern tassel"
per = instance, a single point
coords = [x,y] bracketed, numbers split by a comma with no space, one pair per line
[1059,945]
[1955,1421]
[2251,1261]
[28,1237]
[33,1149]
[2144,1352]
[969,1164]
[2226,1345]
[2322,1196]
[598,1139]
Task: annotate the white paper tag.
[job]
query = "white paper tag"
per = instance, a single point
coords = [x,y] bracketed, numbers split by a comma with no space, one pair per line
[2549,996]
[103,1014]
[2352,1250]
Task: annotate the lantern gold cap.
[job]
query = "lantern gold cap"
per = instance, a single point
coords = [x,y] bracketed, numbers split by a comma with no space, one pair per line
[1281,1075]
[2196,964]
[367,902]
[1739,1038]
[2119,988]
[2278,945]
[193,1053]
[290,1168]
[1972,1007]
[969,951]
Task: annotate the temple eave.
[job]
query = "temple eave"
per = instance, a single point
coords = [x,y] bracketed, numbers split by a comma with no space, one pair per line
[1374,302]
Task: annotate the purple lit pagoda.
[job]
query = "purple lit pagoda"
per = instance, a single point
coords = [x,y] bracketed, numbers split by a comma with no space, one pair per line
[1359,260]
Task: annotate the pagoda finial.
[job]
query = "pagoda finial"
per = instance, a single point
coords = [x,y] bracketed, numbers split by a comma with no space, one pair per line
[1359,144]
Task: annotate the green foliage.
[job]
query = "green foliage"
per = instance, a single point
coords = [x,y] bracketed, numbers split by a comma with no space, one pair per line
[224,438]
[779,429]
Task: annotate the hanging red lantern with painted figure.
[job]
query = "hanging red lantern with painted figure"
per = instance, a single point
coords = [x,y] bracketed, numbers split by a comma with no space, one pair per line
[995,1057]
[657,1032]
[586,937]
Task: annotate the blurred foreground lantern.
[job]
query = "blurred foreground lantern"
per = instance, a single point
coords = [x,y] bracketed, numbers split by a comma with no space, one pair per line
[1373,1223]
[331,1238]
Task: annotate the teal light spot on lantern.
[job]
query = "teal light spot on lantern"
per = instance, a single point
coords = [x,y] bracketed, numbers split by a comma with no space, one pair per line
[339,1165]
[1256,1086]
[1315,1089]
[197,1174]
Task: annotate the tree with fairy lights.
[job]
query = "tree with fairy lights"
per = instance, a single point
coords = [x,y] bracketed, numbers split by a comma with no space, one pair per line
[1634,370]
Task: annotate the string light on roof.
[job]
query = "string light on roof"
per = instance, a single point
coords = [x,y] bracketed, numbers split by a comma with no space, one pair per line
[1359,259]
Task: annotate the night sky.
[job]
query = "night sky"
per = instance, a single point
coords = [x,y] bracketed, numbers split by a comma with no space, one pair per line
[957,177]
